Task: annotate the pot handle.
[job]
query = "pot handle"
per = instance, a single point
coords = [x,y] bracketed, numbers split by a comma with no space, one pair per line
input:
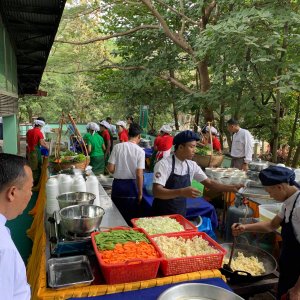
[237,272]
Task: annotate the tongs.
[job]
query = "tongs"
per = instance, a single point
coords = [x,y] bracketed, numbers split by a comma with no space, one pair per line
[227,266]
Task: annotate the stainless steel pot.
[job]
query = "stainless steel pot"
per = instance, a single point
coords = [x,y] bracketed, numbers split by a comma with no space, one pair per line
[198,291]
[69,199]
[81,219]
[258,165]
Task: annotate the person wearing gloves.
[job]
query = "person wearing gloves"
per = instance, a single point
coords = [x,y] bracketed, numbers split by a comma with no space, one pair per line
[104,132]
[122,131]
[126,163]
[35,139]
[280,183]
[241,147]
[173,177]
[163,142]
[95,147]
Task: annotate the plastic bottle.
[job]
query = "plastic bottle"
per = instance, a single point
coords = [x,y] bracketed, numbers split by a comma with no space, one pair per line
[92,186]
[78,184]
[65,184]
[52,191]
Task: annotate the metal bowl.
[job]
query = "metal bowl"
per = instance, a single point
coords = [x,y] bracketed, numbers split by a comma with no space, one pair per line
[68,199]
[81,219]
[199,291]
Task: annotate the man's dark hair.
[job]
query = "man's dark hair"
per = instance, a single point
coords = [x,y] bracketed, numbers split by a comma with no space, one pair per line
[130,118]
[41,119]
[11,169]
[233,121]
[134,130]
[108,119]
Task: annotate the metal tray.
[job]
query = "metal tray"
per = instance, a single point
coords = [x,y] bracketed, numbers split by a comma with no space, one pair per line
[254,192]
[69,271]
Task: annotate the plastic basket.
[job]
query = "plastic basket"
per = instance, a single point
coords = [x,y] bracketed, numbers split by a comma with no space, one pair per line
[174,266]
[187,225]
[132,270]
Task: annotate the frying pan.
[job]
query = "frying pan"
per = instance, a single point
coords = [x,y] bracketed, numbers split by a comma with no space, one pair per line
[267,259]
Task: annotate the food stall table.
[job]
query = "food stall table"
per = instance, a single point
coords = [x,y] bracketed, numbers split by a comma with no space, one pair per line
[36,267]
[154,292]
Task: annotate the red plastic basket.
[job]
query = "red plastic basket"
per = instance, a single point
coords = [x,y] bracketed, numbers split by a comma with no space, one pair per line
[189,264]
[187,225]
[132,270]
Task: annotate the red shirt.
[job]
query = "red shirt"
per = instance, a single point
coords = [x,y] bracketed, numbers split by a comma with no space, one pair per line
[164,143]
[33,137]
[123,136]
[216,144]
[105,134]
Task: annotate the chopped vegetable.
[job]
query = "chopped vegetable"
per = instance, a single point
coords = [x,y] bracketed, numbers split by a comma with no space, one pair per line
[108,240]
[128,251]
[159,225]
[176,247]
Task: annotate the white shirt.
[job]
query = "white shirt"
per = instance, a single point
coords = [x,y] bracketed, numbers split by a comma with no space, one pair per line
[163,168]
[13,281]
[127,157]
[288,205]
[242,145]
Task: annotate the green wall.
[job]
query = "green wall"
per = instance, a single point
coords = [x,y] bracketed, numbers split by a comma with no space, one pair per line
[8,64]
[10,134]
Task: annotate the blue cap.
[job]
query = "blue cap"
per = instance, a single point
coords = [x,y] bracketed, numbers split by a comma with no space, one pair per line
[185,137]
[275,175]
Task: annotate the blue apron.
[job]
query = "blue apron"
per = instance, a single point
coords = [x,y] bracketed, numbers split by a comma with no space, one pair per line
[173,206]
[124,194]
[289,261]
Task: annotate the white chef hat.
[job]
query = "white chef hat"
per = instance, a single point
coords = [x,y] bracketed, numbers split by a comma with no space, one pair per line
[212,129]
[105,124]
[121,123]
[166,128]
[39,123]
[93,126]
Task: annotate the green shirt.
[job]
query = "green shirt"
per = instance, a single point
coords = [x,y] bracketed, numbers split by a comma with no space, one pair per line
[96,141]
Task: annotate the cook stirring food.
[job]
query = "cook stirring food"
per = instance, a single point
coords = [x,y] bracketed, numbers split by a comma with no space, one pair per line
[280,183]
[173,177]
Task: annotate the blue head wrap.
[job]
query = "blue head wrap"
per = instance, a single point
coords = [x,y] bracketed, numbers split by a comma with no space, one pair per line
[185,137]
[275,175]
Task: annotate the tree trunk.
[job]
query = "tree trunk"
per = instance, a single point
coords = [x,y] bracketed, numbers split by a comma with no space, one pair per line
[296,159]
[292,139]
[276,127]
[175,111]
[197,117]
[204,87]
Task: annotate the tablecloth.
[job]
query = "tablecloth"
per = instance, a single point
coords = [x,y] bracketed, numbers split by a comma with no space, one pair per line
[153,293]
[195,206]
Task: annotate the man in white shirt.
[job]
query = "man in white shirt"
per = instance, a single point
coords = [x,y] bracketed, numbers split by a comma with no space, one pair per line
[280,183]
[173,177]
[126,163]
[16,182]
[241,147]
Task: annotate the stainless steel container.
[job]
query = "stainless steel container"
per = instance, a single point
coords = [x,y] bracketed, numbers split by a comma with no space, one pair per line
[81,219]
[198,291]
[68,199]
[258,165]
[69,271]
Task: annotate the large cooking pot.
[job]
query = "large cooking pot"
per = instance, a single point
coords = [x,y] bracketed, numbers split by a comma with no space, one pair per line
[68,199]
[81,219]
[267,259]
[198,291]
